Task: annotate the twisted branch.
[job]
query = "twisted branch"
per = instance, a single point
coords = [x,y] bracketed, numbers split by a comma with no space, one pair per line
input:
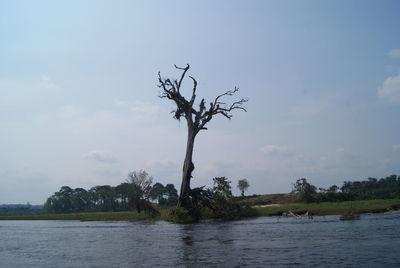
[171,90]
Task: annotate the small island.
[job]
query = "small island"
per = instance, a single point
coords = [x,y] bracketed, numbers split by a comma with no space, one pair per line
[157,202]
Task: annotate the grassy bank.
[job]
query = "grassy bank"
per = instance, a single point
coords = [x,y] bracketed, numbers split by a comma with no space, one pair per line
[269,199]
[317,209]
[333,208]
[89,216]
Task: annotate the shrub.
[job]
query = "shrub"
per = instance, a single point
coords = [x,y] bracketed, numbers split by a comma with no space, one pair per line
[206,213]
[179,215]
[224,209]
[248,212]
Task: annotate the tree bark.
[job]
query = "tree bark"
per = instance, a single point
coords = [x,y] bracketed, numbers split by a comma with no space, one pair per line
[188,167]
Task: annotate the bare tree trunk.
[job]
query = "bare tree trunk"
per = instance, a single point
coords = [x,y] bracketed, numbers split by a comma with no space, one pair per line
[196,121]
[188,167]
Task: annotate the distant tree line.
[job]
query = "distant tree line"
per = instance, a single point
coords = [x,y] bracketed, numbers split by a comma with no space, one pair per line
[20,209]
[136,193]
[371,188]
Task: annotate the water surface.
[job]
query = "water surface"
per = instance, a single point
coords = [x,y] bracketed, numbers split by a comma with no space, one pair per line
[372,241]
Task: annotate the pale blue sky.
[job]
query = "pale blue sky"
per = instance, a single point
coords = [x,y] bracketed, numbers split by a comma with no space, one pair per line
[79,106]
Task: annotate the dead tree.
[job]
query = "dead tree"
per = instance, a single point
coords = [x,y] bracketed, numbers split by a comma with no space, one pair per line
[196,119]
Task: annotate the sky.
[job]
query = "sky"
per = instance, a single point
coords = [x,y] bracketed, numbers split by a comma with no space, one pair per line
[79,99]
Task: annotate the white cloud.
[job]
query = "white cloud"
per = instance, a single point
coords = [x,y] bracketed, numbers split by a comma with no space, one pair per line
[139,108]
[71,112]
[101,156]
[396,147]
[395,53]
[310,107]
[46,83]
[21,185]
[390,89]
[340,150]
[165,171]
[275,150]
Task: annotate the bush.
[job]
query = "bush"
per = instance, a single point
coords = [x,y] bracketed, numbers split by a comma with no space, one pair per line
[219,203]
[206,213]
[179,215]
[224,209]
[248,212]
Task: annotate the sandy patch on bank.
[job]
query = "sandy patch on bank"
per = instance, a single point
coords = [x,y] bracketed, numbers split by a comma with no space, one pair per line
[267,206]
[392,211]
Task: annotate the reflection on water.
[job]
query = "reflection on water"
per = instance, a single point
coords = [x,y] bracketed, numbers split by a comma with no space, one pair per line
[198,239]
[262,242]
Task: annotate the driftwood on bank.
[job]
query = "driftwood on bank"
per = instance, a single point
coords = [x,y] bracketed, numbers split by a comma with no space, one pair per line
[298,216]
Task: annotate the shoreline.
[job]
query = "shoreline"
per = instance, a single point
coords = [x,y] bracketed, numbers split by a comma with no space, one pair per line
[382,206]
[378,206]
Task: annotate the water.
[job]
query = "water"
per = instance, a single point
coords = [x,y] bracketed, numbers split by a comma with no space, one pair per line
[372,241]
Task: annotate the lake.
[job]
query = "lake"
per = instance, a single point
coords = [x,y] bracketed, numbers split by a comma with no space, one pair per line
[372,241]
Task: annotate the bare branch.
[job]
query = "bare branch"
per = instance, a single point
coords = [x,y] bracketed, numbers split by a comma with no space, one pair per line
[228,93]
[193,98]
[218,107]
[185,69]
[184,107]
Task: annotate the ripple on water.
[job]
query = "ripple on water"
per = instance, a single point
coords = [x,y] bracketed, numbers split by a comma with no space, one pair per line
[261,242]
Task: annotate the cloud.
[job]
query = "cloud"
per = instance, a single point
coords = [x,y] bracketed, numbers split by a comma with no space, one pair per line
[71,112]
[110,173]
[275,150]
[21,185]
[100,156]
[139,108]
[390,89]
[166,170]
[311,107]
[395,53]
[340,150]
[46,83]
[396,147]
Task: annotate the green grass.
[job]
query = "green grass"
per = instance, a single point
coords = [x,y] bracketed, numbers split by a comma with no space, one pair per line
[318,209]
[333,208]
[89,216]
[269,199]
